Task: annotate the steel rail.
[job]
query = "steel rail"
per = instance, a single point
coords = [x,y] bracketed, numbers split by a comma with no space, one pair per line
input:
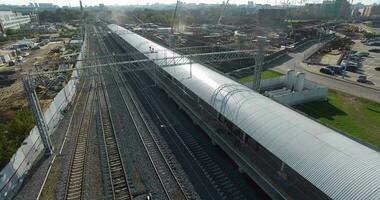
[118,177]
[161,116]
[75,178]
[151,146]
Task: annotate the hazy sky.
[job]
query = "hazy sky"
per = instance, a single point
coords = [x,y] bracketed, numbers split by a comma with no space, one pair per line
[122,2]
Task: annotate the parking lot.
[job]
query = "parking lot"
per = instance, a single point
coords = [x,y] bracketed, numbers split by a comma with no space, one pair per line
[368,65]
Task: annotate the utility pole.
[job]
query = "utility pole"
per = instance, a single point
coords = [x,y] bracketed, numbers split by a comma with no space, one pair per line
[259,61]
[347,48]
[37,114]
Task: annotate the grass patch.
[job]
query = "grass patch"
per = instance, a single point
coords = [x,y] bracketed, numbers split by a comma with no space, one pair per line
[17,34]
[13,133]
[264,75]
[353,115]
[68,33]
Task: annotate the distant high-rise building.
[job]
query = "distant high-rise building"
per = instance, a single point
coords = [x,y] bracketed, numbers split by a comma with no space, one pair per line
[371,11]
[36,5]
[47,5]
[31,5]
[342,9]
[337,9]
[250,4]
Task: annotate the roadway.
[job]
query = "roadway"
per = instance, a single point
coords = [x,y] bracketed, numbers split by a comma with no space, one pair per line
[351,88]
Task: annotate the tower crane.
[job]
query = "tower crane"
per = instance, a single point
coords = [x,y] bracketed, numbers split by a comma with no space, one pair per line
[174,16]
[222,13]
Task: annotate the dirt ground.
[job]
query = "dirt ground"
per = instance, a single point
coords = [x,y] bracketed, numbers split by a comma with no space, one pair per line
[330,58]
[39,55]
[12,97]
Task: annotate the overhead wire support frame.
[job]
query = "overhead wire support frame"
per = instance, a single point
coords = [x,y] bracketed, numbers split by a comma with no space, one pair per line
[37,113]
[170,61]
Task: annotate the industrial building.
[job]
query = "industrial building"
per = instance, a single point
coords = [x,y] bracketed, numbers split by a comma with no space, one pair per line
[291,89]
[328,9]
[287,154]
[23,44]
[11,20]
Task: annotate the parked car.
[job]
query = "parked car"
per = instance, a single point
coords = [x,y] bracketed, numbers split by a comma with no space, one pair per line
[25,54]
[349,66]
[373,39]
[19,58]
[326,70]
[362,54]
[11,63]
[362,79]
[354,58]
[350,63]
[336,68]
[374,43]
[36,47]
[374,50]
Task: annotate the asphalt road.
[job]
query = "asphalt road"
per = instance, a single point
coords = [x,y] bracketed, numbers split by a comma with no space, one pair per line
[296,63]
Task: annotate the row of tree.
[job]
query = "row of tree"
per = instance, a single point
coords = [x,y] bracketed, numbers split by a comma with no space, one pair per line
[60,15]
[194,16]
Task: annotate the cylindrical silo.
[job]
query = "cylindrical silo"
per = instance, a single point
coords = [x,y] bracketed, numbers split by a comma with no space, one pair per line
[299,82]
[290,78]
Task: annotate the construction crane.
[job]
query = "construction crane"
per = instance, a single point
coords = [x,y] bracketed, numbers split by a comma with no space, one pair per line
[174,16]
[222,13]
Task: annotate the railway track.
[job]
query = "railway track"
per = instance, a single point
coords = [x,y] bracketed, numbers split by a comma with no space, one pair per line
[163,166]
[76,175]
[118,177]
[213,172]
[155,150]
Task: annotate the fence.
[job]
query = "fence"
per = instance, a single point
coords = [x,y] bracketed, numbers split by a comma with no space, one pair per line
[19,166]
[308,54]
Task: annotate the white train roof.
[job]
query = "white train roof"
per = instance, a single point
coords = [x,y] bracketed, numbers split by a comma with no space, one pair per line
[339,166]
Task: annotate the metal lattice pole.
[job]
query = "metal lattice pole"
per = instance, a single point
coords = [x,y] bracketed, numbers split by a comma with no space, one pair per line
[259,60]
[38,115]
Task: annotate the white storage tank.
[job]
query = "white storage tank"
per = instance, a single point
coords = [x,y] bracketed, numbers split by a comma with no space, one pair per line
[298,87]
[290,78]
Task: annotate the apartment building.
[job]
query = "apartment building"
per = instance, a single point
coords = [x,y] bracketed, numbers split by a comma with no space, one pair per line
[11,20]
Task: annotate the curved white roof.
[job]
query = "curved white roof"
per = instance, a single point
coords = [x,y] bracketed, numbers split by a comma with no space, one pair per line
[339,166]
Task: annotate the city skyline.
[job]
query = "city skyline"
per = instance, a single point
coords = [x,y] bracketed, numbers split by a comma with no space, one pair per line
[75,3]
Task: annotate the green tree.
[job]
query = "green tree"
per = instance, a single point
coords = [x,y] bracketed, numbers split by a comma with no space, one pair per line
[13,133]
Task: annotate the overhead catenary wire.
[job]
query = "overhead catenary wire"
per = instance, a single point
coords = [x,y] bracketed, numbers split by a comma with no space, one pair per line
[168,61]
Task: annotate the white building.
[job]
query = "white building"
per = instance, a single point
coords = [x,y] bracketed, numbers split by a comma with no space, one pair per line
[76,43]
[4,57]
[11,20]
